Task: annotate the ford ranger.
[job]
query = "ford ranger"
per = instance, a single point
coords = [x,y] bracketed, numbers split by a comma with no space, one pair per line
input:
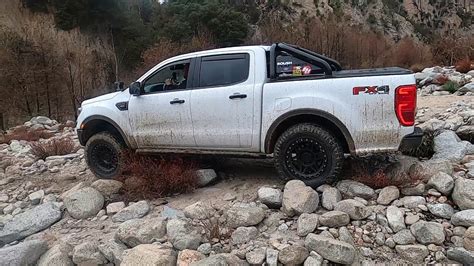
[280,101]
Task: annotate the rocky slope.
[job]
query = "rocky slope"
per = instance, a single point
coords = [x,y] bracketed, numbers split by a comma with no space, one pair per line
[54,212]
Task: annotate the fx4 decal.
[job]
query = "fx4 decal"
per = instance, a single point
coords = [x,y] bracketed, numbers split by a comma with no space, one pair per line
[371,90]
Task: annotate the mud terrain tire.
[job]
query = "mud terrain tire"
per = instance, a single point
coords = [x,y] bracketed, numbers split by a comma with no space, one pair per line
[309,153]
[103,155]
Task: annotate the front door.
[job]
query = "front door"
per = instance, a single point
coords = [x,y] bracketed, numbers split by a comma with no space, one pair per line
[161,115]
[222,102]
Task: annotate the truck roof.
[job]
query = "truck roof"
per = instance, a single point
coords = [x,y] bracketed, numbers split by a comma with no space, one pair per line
[227,49]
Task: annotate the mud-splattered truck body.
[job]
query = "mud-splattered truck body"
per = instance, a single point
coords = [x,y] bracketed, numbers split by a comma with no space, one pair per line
[281,100]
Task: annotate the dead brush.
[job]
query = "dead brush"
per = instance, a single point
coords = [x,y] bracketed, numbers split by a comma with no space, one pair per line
[464,65]
[52,147]
[147,177]
[25,133]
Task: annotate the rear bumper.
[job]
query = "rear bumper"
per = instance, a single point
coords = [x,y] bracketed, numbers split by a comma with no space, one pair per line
[413,140]
[80,136]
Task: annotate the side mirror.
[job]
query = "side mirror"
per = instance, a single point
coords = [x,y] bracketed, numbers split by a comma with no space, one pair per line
[135,88]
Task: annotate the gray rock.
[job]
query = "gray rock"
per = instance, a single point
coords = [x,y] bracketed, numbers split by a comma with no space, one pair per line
[395,218]
[334,219]
[26,253]
[205,248]
[417,190]
[84,203]
[113,251]
[242,235]
[463,193]
[345,235]
[220,259]
[306,223]
[149,254]
[331,249]
[441,210]
[355,209]
[205,176]
[428,232]
[36,197]
[30,222]
[463,218]
[448,146]
[404,237]
[411,202]
[469,87]
[188,256]
[134,211]
[299,198]
[293,255]
[244,215]
[171,213]
[461,255]
[442,182]
[272,257]
[199,210]
[314,259]
[137,231]
[88,253]
[353,188]
[107,187]
[256,256]
[183,235]
[387,195]
[271,197]
[412,253]
[330,197]
[58,255]
[469,239]
[115,207]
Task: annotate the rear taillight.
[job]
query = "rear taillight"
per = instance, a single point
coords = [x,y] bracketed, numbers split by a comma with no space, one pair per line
[405,104]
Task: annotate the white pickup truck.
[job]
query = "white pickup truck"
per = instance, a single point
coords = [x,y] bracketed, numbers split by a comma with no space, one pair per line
[281,100]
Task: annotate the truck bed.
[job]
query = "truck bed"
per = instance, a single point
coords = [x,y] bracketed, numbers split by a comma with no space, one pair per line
[371,72]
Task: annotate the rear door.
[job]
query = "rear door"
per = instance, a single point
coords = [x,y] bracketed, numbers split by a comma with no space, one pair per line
[222,101]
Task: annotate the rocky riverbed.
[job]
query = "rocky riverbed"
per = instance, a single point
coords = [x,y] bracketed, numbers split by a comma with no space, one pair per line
[55,212]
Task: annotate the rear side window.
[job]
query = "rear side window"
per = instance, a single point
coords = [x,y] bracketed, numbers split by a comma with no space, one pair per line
[287,65]
[222,70]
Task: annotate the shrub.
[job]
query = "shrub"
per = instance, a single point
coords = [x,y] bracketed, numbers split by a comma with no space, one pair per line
[416,68]
[62,146]
[25,133]
[441,80]
[150,177]
[464,65]
[451,86]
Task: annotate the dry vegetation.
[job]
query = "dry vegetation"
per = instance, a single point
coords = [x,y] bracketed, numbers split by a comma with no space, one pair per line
[25,133]
[150,177]
[53,147]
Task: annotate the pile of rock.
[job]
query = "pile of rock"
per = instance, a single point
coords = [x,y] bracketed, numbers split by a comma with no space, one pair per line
[431,81]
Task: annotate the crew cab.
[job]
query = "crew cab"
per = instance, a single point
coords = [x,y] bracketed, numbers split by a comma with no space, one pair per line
[280,101]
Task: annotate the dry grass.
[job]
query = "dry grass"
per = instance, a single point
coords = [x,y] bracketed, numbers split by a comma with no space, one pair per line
[464,65]
[147,177]
[62,146]
[25,133]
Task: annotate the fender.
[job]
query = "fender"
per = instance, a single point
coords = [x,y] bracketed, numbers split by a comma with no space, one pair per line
[105,119]
[313,112]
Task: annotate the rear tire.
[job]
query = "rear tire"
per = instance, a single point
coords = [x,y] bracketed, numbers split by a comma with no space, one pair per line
[103,155]
[309,153]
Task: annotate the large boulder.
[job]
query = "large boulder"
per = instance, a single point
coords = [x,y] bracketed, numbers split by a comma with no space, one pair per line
[299,198]
[58,255]
[331,249]
[137,231]
[461,255]
[183,235]
[271,197]
[149,254]
[334,219]
[84,203]
[463,218]
[355,209]
[88,253]
[428,232]
[293,255]
[30,222]
[26,253]
[244,215]
[242,235]
[113,251]
[199,210]
[134,211]
[353,188]
[448,146]
[463,193]
[412,253]
[107,187]
[442,182]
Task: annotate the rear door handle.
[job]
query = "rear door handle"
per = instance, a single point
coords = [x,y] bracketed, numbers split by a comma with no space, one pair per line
[238,96]
[177,101]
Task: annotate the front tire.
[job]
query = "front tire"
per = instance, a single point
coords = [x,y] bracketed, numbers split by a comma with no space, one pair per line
[103,155]
[309,153]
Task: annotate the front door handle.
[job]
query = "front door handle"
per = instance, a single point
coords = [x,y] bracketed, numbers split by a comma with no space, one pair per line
[237,96]
[177,101]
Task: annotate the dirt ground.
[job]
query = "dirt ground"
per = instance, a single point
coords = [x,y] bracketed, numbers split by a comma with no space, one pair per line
[436,104]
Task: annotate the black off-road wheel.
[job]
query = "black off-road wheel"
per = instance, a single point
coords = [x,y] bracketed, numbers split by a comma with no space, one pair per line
[103,155]
[309,153]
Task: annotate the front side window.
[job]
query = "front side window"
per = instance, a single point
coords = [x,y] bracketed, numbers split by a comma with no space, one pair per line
[222,70]
[169,78]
